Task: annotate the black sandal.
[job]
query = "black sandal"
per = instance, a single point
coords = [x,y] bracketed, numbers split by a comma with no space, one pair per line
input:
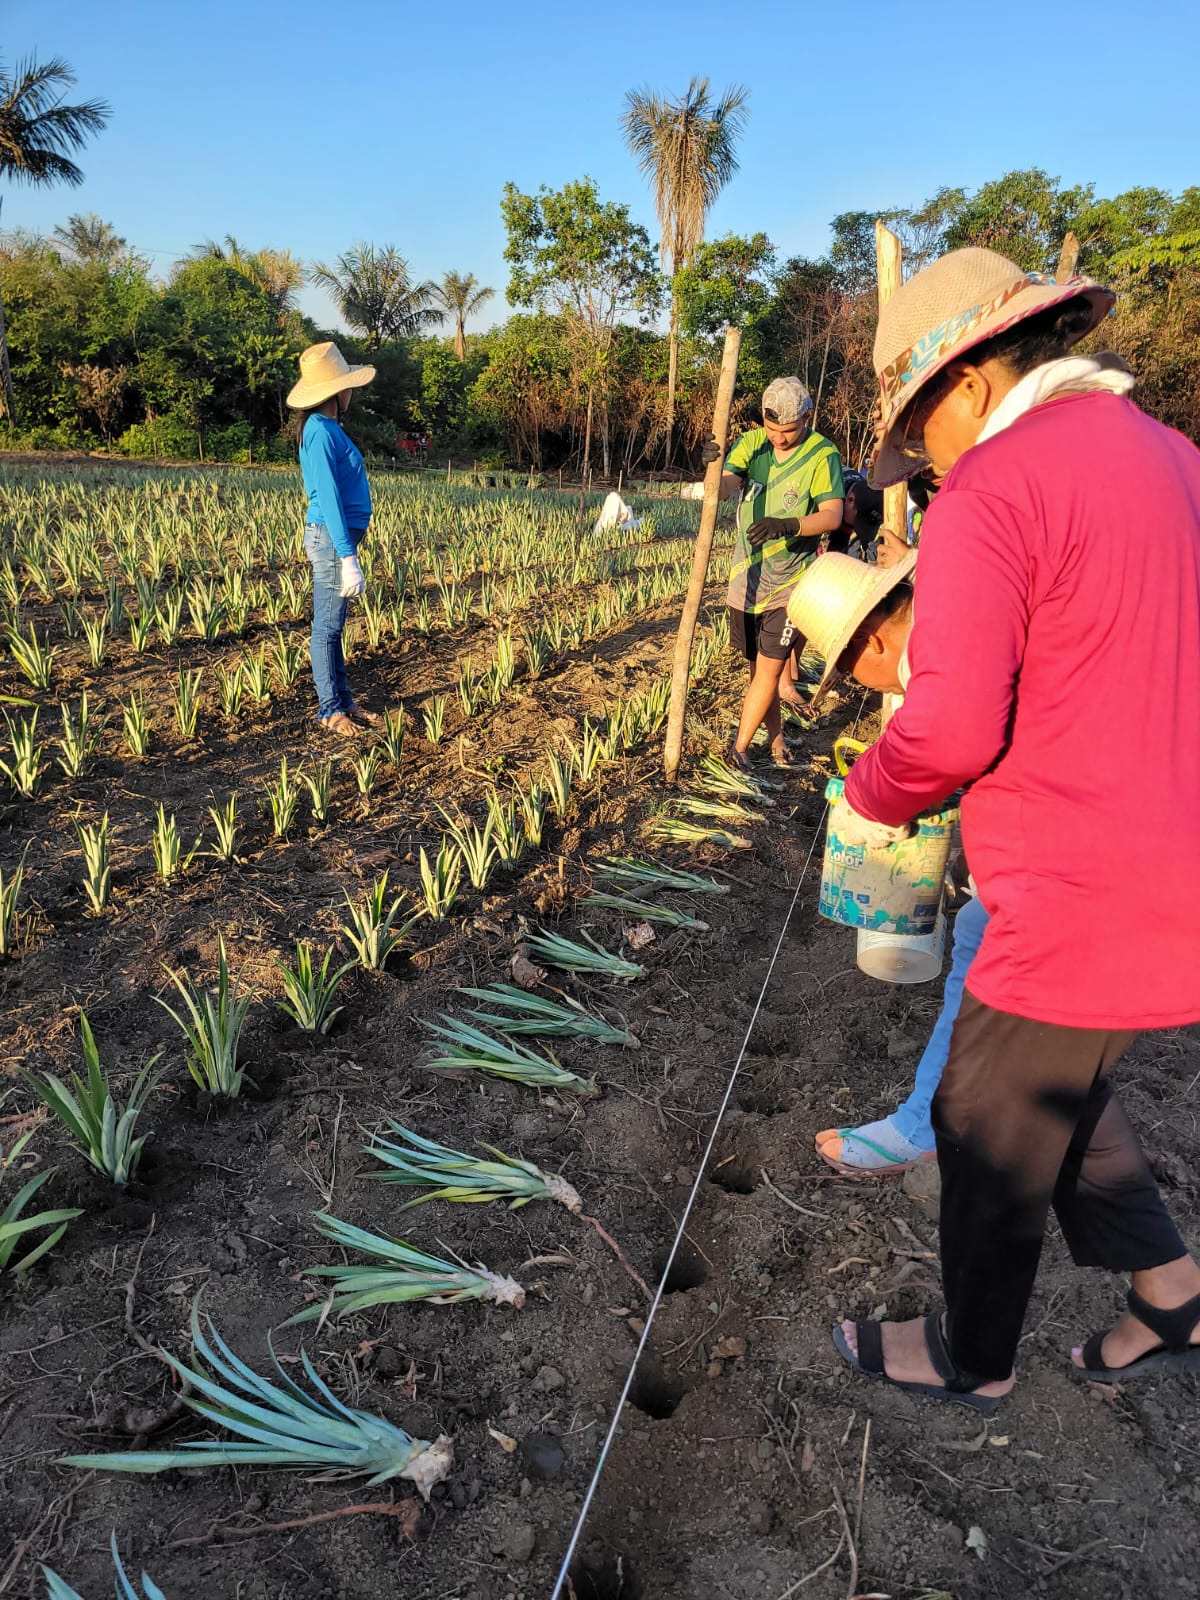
[1175,1354]
[959,1386]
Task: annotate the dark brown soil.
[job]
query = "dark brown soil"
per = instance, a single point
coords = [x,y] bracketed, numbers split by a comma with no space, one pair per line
[743,1468]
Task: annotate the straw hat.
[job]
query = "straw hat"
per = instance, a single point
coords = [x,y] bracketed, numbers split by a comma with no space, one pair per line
[324,372]
[834,598]
[945,310]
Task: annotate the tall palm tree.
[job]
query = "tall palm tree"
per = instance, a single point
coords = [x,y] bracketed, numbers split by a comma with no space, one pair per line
[462,297]
[372,290]
[88,237]
[38,135]
[686,148]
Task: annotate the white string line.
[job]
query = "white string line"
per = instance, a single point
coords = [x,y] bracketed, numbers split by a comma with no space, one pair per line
[683,1222]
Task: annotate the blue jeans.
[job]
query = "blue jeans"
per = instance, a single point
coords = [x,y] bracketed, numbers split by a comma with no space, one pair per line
[329,618]
[912,1118]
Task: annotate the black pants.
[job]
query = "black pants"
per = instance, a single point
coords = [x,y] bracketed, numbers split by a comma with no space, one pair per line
[1026,1118]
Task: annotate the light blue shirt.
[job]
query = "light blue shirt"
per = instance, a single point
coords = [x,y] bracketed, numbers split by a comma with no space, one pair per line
[335,480]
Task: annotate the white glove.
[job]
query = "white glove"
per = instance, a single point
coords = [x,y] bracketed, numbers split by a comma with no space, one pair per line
[850,828]
[691,491]
[353,581]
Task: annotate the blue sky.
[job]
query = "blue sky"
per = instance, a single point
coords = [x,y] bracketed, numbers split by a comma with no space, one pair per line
[311,125]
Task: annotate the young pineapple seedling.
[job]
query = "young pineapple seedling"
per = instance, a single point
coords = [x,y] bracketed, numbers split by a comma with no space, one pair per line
[588,957]
[95,633]
[225,821]
[212,1028]
[136,726]
[231,687]
[97,873]
[533,802]
[370,930]
[535,1015]
[27,766]
[433,719]
[16,1227]
[284,800]
[90,1114]
[440,881]
[391,741]
[286,660]
[507,832]
[80,738]
[187,702]
[674,830]
[10,890]
[34,658]
[652,875]
[280,1425]
[309,992]
[468,1049]
[475,846]
[366,771]
[320,787]
[559,778]
[401,1274]
[170,858]
[644,910]
[449,1175]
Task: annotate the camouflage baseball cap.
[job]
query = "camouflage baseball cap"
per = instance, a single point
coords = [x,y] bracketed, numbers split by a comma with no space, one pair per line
[785,400]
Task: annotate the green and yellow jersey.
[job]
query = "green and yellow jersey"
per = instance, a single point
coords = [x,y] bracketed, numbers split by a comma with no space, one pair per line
[760,580]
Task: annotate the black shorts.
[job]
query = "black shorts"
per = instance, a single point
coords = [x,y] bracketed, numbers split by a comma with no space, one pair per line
[767,633]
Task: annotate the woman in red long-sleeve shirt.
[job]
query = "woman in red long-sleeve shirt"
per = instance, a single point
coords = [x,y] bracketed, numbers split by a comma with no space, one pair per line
[1067,532]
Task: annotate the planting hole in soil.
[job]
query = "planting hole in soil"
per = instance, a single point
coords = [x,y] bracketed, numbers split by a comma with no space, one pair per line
[688,1270]
[736,1174]
[604,1575]
[653,1392]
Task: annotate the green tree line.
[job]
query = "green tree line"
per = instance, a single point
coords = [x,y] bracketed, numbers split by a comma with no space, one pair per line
[104,354]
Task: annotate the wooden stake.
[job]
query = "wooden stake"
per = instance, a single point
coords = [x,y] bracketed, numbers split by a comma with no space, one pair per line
[1068,259]
[700,557]
[888,265]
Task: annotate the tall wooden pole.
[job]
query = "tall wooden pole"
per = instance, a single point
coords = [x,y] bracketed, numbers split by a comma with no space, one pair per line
[700,556]
[888,261]
[1068,258]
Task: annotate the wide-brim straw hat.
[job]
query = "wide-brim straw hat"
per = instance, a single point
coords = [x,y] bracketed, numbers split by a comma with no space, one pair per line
[832,600]
[943,311]
[324,372]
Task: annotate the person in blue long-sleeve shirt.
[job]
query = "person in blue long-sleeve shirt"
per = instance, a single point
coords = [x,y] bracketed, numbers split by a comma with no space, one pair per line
[339,509]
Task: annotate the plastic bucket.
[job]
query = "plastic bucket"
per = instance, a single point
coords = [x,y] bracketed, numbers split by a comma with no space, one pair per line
[903,958]
[895,889]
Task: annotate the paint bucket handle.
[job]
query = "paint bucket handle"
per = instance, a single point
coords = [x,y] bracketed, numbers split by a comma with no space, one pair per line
[843,749]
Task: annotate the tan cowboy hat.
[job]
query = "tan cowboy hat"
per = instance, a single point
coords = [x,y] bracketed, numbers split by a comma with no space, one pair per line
[324,372]
[940,314]
[834,598]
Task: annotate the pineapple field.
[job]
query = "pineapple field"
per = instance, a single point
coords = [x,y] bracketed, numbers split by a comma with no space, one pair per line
[352,1095]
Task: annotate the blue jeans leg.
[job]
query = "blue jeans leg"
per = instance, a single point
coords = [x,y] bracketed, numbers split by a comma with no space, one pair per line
[329,618]
[912,1118]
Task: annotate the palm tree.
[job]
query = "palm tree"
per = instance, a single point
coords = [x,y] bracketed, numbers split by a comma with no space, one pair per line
[276,272]
[374,294]
[87,237]
[686,148]
[38,135]
[462,297]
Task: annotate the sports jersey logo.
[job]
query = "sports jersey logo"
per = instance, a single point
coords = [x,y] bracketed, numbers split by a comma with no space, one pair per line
[790,499]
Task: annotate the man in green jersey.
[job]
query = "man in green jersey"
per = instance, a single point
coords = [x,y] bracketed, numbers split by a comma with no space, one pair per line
[790,482]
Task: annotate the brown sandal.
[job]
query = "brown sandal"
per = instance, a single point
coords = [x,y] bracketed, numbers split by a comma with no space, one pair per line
[361,714]
[340,724]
